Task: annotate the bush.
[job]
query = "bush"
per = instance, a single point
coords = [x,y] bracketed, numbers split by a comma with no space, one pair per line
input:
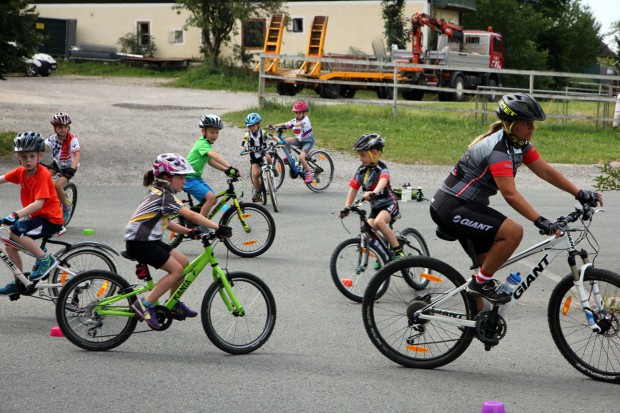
[609,180]
[129,44]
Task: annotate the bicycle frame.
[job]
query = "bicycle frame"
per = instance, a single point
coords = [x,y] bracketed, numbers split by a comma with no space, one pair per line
[553,246]
[38,285]
[191,272]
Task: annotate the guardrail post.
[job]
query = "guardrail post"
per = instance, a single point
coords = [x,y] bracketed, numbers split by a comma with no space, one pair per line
[261,83]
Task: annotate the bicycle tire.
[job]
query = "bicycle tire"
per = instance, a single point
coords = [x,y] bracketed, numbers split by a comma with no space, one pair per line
[231,332]
[71,193]
[348,275]
[596,355]
[77,319]
[425,343]
[80,260]
[269,186]
[172,238]
[415,246]
[262,230]
[279,167]
[323,166]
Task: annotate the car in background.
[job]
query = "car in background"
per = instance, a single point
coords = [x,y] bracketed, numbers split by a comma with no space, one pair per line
[40,64]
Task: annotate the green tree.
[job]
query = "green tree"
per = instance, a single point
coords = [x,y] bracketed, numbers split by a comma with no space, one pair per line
[573,39]
[395,23]
[520,25]
[217,20]
[18,40]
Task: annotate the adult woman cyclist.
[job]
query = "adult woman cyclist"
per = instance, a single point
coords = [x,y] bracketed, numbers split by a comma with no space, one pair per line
[490,164]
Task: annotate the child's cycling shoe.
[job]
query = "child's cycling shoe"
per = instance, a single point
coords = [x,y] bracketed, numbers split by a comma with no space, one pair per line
[399,253]
[309,177]
[42,268]
[491,290]
[257,197]
[146,313]
[181,311]
[9,289]
[66,213]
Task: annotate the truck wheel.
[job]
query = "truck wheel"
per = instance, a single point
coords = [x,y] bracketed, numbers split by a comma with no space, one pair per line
[458,95]
[385,92]
[327,91]
[286,89]
[347,92]
[493,97]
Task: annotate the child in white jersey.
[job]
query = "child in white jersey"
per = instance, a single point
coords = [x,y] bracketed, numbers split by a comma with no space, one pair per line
[304,137]
[66,153]
[143,234]
[254,140]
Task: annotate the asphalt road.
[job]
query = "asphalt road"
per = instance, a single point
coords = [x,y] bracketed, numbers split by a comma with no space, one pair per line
[319,358]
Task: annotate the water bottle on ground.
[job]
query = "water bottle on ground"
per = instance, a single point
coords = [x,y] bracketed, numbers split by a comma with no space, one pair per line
[513,279]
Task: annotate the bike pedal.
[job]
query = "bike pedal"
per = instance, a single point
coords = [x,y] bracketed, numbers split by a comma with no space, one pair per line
[14,296]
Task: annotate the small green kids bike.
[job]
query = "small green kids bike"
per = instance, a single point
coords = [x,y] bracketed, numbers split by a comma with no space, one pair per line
[238,310]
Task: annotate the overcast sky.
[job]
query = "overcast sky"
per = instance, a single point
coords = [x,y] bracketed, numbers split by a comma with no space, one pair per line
[605,11]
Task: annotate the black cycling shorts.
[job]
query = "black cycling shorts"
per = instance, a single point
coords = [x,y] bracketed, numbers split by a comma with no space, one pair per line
[153,253]
[467,220]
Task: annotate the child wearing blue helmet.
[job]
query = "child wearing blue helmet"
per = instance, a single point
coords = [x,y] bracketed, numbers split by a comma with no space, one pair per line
[254,140]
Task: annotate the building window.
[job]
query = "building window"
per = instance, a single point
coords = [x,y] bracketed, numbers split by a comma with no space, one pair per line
[253,33]
[296,25]
[144,33]
[176,36]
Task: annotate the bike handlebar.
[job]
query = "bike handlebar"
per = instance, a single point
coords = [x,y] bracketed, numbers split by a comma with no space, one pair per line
[585,212]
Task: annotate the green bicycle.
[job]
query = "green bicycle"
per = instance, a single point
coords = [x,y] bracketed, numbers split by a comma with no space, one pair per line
[254,229]
[94,308]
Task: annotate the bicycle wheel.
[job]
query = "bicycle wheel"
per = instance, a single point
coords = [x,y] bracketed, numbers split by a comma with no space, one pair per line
[352,266]
[260,233]
[79,319]
[323,166]
[270,189]
[172,238]
[71,193]
[230,331]
[79,260]
[595,354]
[279,171]
[392,321]
[414,245]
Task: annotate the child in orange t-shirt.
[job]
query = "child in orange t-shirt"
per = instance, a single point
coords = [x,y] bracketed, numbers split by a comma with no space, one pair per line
[39,201]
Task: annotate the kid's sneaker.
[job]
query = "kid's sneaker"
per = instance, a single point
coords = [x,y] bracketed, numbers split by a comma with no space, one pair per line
[309,177]
[42,267]
[181,311]
[9,289]
[66,212]
[146,313]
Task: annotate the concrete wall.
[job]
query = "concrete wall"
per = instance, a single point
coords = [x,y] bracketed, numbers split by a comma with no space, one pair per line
[351,24]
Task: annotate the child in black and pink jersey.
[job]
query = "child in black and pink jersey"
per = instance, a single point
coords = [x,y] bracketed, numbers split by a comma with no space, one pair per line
[66,153]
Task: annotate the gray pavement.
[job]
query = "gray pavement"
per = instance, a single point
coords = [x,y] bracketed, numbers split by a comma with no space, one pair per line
[319,357]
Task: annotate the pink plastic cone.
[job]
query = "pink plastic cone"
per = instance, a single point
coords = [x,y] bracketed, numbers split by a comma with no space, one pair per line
[56,332]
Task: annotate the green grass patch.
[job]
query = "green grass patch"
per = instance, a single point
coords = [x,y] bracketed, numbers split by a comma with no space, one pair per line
[427,137]
[6,142]
[67,68]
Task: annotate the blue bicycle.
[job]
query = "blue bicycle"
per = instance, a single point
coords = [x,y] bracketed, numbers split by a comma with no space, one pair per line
[319,160]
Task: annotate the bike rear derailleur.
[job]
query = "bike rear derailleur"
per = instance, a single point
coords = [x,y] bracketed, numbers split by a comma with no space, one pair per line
[490,328]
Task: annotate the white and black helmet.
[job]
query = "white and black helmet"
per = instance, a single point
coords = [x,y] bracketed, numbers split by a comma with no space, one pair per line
[29,142]
[211,121]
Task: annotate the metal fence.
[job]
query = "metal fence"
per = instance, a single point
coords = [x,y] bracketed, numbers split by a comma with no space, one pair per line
[606,96]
